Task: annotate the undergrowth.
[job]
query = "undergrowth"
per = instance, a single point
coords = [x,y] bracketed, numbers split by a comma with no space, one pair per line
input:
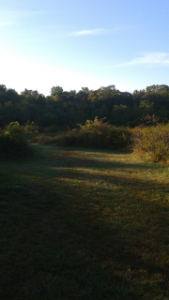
[149,142]
[152,142]
[97,133]
[13,140]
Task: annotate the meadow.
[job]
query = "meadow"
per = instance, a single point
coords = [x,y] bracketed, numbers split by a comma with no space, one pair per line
[81,223]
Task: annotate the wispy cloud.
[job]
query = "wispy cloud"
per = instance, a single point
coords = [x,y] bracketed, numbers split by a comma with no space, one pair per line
[148,59]
[88,32]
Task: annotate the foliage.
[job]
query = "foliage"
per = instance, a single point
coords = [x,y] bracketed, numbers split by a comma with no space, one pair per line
[152,142]
[56,90]
[43,139]
[52,129]
[63,108]
[146,104]
[13,140]
[97,133]
[30,127]
[153,120]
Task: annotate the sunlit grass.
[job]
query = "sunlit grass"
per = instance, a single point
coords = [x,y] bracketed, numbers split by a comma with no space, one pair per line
[84,224]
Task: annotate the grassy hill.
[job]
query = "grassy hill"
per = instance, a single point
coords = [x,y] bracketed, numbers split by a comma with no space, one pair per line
[83,224]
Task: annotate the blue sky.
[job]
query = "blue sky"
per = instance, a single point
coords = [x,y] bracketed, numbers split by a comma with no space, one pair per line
[75,43]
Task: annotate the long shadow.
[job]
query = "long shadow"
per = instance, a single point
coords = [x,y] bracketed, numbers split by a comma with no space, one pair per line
[72,159]
[53,258]
[122,181]
[138,247]
[125,244]
[92,150]
[67,244]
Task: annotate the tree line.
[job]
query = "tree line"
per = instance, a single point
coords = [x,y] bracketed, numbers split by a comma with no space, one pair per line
[63,109]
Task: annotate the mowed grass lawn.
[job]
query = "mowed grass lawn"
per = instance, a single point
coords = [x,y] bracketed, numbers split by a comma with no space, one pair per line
[83,224]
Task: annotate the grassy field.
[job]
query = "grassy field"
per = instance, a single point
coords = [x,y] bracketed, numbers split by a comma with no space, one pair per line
[83,224]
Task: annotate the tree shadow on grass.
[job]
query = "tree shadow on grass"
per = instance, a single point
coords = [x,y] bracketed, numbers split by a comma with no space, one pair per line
[129,236]
[74,158]
[82,241]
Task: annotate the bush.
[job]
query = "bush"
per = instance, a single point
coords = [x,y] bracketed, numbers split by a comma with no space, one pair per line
[13,140]
[152,143]
[51,129]
[96,133]
[30,127]
[43,139]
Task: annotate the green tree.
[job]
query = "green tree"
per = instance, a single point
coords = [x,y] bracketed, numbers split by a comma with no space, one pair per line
[56,90]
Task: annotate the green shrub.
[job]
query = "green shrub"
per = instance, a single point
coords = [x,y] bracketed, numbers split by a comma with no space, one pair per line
[96,133]
[13,140]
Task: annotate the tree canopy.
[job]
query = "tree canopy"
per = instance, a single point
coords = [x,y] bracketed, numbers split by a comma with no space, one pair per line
[63,108]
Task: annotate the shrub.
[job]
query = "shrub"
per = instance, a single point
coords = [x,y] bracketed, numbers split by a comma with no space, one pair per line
[96,133]
[30,127]
[13,140]
[43,139]
[152,143]
[51,129]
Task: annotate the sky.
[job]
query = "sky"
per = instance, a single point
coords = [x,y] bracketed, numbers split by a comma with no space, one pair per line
[83,43]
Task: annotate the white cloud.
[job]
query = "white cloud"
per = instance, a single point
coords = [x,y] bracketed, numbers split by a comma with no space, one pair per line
[88,32]
[148,59]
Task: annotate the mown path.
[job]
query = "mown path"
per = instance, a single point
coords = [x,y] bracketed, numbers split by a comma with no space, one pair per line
[83,224]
